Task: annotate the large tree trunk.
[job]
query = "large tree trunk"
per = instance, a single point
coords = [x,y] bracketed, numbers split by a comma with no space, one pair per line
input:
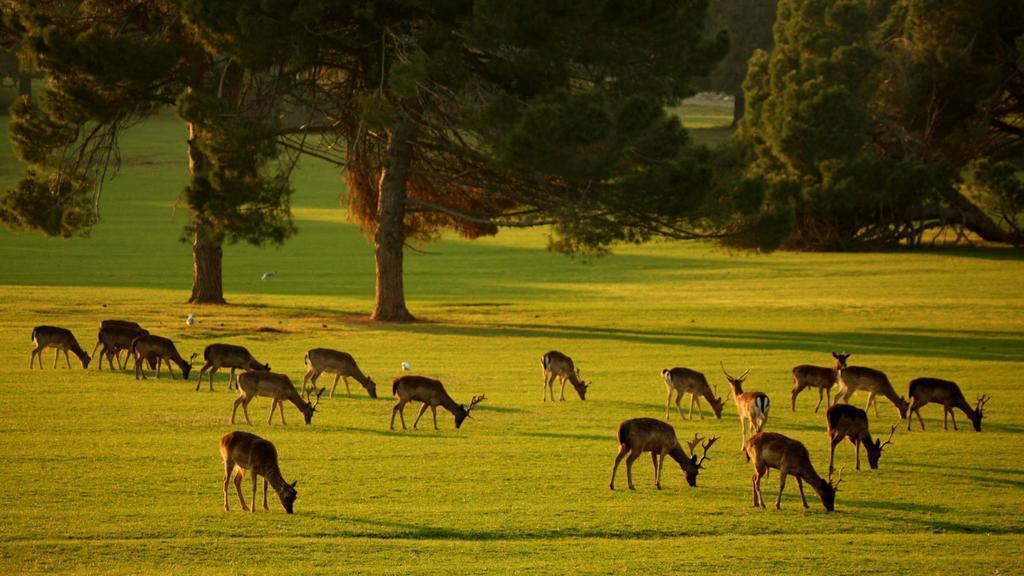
[207,278]
[739,103]
[390,238]
[25,84]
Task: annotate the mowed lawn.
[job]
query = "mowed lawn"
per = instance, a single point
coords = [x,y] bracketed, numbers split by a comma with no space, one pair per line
[104,474]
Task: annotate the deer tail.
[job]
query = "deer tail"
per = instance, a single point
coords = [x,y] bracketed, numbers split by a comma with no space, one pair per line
[305,359]
[623,433]
[394,387]
[34,335]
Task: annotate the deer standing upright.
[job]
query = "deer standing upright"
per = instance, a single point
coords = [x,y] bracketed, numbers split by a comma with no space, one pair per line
[928,390]
[640,435]
[685,381]
[820,377]
[752,407]
[432,394]
[62,340]
[242,452]
[558,365]
[772,450]
[277,387]
[845,421]
[219,356]
[874,382]
[342,364]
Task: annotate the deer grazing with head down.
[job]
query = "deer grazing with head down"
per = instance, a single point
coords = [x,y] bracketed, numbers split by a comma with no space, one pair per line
[874,382]
[342,364]
[244,452]
[278,388]
[685,381]
[752,407]
[928,390]
[432,394]
[820,377]
[161,349]
[558,365]
[219,356]
[61,339]
[845,421]
[113,338]
[772,450]
[641,435]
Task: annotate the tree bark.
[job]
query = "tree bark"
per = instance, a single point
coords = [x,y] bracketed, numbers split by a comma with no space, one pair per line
[207,276]
[25,84]
[389,240]
[739,104]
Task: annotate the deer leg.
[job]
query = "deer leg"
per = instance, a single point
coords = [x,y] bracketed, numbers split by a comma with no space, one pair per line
[229,465]
[782,486]
[668,404]
[689,413]
[544,387]
[758,474]
[623,449]
[433,410]
[32,359]
[280,410]
[800,484]
[856,448]
[306,376]
[561,397]
[138,368]
[245,410]
[265,507]
[416,422]
[206,366]
[661,466]
[348,391]
[66,359]
[169,370]
[834,441]
[828,398]
[754,481]
[629,468]
[238,488]
[952,416]
[253,507]
[743,433]
[233,378]
[56,356]
[336,378]
[234,410]
[695,398]
[919,419]
[213,370]
[797,388]
[821,393]
[400,410]
[273,406]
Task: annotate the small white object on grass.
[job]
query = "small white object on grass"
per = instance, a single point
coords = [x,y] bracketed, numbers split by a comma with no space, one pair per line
[406,367]
[267,276]
[190,320]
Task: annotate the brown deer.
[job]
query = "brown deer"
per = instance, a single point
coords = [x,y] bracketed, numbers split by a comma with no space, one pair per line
[162,349]
[219,356]
[641,435]
[278,388]
[113,338]
[432,394]
[772,450]
[686,381]
[60,339]
[927,390]
[558,365]
[820,377]
[126,324]
[342,364]
[845,421]
[874,382]
[752,407]
[241,452]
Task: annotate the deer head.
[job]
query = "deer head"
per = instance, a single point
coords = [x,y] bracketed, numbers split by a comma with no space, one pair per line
[827,491]
[976,416]
[717,404]
[186,368]
[580,385]
[875,449]
[371,387]
[696,465]
[307,413]
[288,494]
[735,383]
[840,359]
[464,411]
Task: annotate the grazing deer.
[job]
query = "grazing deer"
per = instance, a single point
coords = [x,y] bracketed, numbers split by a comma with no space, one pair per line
[278,388]
[820,377]
[845,421]
[113,338]
[243,452]
[122,323]
[686,381]
[219,356]
[342,364]
[556,364]
[432,394]
[641,435]
[61,339]
[752,407]
[927,390]
[874,382]
[772,450]
[162,349]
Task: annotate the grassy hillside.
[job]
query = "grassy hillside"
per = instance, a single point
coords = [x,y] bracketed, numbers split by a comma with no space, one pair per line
[108,475]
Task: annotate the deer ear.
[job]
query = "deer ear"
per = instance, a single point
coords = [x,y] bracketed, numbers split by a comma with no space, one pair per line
[294,483]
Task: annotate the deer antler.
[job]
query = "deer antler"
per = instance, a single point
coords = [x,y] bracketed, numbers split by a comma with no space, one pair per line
[318,395]
[706,446]
[982,400]
[889,440]
[693,444]
[476,400]
[722,364]
[839,478]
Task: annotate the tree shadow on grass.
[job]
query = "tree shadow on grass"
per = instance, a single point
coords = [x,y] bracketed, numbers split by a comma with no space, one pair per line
[599,437]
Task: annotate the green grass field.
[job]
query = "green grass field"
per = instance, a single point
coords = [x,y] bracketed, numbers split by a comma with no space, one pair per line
[103,474]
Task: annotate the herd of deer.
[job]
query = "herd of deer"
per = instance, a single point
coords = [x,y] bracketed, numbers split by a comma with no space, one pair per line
[244,452]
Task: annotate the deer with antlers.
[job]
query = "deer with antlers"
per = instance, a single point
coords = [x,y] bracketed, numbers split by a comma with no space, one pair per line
[874,382]
[219,356]
[62,340]
[342,364]
[752,407]
[772,450]
[928,390]
[149,347]
[244,452]
[558,365]
[845,421]
[277,387]
[640,435]
[685,381]
[432,394]
[820,377]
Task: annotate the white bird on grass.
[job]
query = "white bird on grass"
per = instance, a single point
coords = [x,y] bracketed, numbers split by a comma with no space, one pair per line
[267,276]
[406,366]
[190,320]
